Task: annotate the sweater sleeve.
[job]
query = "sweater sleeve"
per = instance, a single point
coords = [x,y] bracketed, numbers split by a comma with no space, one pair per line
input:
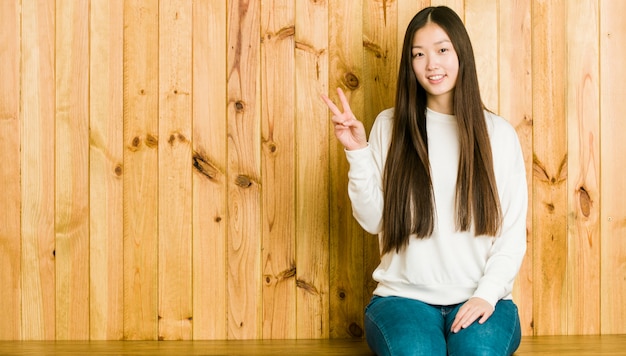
[508,249]
[365,176]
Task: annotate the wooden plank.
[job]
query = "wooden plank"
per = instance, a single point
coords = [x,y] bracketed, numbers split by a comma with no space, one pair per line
[583,129]
[515,105]
[210,217]
[312,204]
[175,164]
[72,170]
[381,58]
[481,21]
[244,176]
[105,171]
[37,156]
[278,167]
[549,166]
[10,195]
[141,73]
[346,70]
[613,146]
[407,9]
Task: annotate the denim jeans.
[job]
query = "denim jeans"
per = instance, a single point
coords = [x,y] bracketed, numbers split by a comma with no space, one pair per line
[402,327]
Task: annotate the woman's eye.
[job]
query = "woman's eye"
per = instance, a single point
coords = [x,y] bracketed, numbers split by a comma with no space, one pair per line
[443,50]
[417,54]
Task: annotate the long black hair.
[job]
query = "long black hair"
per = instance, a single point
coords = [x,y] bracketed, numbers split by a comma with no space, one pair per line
[409,201]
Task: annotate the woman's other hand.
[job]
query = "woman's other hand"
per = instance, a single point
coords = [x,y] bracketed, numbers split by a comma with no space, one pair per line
[348,130]
[473,309]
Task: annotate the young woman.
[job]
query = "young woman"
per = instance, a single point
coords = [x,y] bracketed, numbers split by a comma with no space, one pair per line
[442,182]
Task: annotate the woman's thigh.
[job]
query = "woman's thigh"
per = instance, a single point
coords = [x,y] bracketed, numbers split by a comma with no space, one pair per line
[500,335]
[400,326]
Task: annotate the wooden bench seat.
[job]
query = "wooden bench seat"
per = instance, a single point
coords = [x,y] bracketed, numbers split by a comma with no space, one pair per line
[539,345]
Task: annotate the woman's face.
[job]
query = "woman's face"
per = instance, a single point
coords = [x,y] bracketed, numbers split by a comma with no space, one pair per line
[436,66]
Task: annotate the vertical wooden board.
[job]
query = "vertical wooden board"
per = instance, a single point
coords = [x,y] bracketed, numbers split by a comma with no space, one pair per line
[10,195]
[244,223]
[613,146]
[515,104]
[37,155]
[407,9]
[312,203]
[141,67]
[175,164]
[583,129]
[105,171]
[481,21]
[209,162]
[381,59]
[347,280]
[549,166]
[278,167]
[72,170]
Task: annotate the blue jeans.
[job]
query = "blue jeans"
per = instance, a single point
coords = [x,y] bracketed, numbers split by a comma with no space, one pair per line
[400,326]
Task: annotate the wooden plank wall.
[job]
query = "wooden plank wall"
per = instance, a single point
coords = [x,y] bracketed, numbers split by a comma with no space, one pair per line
[169,171]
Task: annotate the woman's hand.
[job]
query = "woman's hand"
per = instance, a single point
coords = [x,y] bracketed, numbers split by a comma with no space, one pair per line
[348,130]
[473,309]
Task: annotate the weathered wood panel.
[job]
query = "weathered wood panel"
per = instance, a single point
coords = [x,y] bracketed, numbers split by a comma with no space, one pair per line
[10,195]
[583,190]
[613,167]
[244,176]
[140,170]
[106,309]
[312,138]
[72,170]
[278,167]
[210,218]
[37,157]
[550,161]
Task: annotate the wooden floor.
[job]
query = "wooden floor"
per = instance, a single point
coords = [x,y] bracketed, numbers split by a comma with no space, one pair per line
[545,345]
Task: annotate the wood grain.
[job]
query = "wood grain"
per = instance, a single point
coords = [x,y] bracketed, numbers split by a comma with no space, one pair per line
[346,71]
[210,218]
[583,189]
[37,170]
[312,180]
[141,132]
[481,21]
[10,195]
[550,161]
[278,167]
[72,170]
[613,166]
[106,243]
[244,176]
[515,104]
[175,164]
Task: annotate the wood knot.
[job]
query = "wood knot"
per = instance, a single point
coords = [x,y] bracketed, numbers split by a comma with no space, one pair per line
[204,166]
[351,80]
[118,170]
[355,330]
[342,295]
[243,181]
[585,201]
[239,106]
[151,141]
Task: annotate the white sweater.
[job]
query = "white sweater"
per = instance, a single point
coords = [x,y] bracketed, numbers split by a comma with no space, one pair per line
[450,266]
